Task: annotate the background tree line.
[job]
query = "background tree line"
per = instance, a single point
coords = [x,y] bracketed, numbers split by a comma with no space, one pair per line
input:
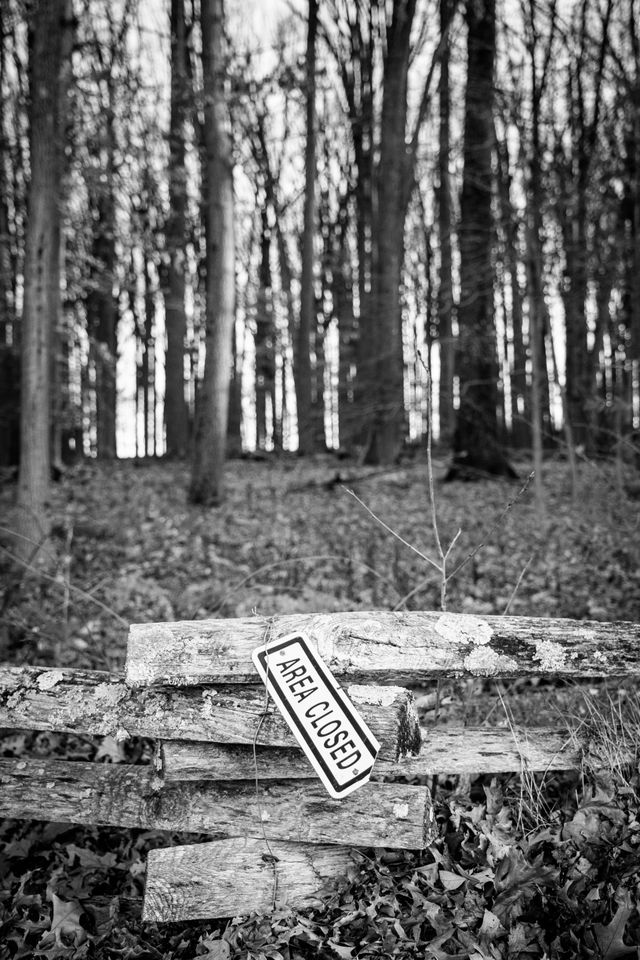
[213,241]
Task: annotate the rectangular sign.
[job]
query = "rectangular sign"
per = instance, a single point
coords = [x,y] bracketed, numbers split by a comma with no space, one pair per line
[336,740]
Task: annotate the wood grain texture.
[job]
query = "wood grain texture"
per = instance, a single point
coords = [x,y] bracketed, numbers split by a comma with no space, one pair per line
[384,647]
[36,698]
[444,749]
[378,814]
[227,878]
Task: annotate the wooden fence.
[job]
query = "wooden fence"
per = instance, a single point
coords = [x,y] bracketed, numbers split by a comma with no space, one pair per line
[226,764]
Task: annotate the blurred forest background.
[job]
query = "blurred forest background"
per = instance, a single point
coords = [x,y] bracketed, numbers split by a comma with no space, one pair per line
[311,226]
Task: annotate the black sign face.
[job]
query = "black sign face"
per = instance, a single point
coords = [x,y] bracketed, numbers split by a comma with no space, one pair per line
[336,740]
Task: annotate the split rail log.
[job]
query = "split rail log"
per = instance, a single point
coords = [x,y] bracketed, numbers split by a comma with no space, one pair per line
[234,877]
[402,648]
[394,815]
[99,703]
[444,749]
[205,782]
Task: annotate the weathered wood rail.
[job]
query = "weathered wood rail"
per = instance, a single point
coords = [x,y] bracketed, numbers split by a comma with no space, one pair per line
[98,703]
[402,648]
[227,765]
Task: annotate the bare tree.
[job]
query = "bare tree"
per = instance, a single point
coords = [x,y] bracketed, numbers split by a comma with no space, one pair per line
[445,287]
[265,364]
[49,64]
[476,441]
[213,399]
[307,301]
[175,409]
[101,173]
[10,201]
[575,157]
[386,164]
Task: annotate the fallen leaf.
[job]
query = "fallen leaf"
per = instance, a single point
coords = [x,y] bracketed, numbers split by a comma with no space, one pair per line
[342,951]
[218,950]
[65,923]
[450,881]
[89,858]
[609,937]
[491,926]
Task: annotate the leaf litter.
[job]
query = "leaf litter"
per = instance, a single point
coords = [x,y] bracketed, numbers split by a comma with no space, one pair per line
[549,873]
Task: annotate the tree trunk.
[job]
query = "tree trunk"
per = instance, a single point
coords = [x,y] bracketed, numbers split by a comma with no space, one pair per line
[362,131]
[102,304]
[538,320]
[213,400]
[234,422]
[574,296]
[476,443]
[302,367]
[386,429]
[48,54]
[537,328]
[633,348]
[520,405]
[445,287]
[149,364]
[342,294]
[11,215]
[9,356]
[357,80]
[323,317]
[583,124]
[175,408]
[264,338]
[102,319]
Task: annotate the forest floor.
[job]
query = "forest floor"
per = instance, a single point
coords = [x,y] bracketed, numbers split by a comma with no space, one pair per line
[543,868]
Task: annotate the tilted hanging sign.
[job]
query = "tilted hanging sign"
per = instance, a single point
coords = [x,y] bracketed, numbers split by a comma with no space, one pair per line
[336,740]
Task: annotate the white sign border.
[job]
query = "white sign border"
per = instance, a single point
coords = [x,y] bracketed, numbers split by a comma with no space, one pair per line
[264,653]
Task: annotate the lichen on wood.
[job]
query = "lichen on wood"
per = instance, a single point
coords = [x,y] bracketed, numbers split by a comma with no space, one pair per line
[380,647]
[485,662]
[463,628]
[550,654]
[97,703]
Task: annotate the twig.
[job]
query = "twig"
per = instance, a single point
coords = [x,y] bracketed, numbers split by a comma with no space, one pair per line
[72,588]
[393,533]
[493,527]
[425,583]
[515,589]
[432,494]
[411,594]
[15,583]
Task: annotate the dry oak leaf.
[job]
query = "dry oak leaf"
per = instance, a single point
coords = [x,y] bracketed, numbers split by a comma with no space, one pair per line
[449,880]
[609,937]
[66,928]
